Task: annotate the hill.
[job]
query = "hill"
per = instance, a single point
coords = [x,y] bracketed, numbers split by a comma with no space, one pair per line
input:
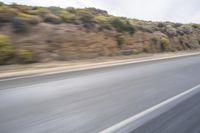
[42,34]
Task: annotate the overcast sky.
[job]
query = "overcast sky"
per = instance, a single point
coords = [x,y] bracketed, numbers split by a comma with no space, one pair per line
[185,11]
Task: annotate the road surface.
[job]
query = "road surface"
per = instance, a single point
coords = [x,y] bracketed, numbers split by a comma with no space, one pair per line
[93,100]
[183,118]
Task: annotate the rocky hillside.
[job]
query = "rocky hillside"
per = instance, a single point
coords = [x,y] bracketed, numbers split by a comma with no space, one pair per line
[37,34]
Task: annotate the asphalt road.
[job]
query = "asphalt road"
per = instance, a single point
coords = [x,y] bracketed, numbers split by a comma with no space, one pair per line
[93,100]
[183,118]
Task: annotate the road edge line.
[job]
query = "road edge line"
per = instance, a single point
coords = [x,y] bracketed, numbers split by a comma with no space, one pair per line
[129,120]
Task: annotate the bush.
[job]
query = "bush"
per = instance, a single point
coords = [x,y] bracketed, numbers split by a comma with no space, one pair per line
[84,15]
[120,41]
[104,21]
[55,10]
[6,49]
[25,56]
[164,42]
[21,8]
[71,10]
[6,14]
[1,3]
[118,24]
[19,25]
[155,39]
[176,25]
[160,25]
[31,19]
[39,11]
[67,17]
[146,48]
[196,26]
[51,18]
[96,11]
[122,25]
[135,51]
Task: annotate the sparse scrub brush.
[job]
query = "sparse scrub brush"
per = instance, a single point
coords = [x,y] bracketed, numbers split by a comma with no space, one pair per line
[120,41]
[164,42]
[19,25]
[25,56]
[6,49]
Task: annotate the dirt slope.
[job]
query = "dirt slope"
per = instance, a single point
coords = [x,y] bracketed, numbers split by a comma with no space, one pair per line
[87,33]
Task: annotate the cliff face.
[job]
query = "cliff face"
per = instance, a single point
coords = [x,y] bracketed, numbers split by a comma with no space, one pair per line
[68,34]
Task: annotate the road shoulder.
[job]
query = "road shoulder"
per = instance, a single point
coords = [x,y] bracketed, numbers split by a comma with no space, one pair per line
[16,71]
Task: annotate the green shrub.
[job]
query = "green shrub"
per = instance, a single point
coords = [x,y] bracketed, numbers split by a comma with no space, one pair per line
[19,25]
[84,15]
[71,10]
[39,11]
[7,13]
[31,19]
[146,48]
[155,39]
[196,26]
[51,18]
[1,3]
[122,25]
[176,25]
[164,42]
[67,16]
[120,41]
[96,11]
[118,24]
[135,51]
[161,25]
[55,10]
[104,21]
[6,49]
[21,8]
[25,56]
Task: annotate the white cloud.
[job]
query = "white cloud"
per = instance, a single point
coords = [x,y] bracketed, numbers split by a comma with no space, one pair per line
[185,11]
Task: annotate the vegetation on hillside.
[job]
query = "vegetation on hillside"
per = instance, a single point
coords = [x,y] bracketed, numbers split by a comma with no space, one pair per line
[121,35]
[6,49]
[21,16]
[8,52]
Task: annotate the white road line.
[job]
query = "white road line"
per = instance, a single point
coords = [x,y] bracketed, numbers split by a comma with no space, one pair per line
[122,124]
[99,65]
